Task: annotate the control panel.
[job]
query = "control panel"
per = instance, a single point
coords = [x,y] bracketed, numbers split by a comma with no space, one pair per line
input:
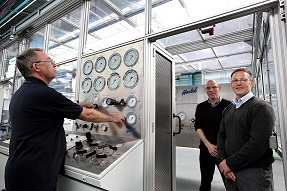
[113,81]
[94,153]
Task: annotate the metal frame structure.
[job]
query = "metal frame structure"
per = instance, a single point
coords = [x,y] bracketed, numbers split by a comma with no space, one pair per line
[56,9]
[279,43]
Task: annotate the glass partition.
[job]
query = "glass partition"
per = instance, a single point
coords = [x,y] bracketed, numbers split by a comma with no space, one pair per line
[169,14]
[114,22]
[36,40]
[64,36]
[10,61]
[65,83]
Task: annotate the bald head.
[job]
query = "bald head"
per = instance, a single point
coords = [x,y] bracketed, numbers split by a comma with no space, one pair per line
[212,90]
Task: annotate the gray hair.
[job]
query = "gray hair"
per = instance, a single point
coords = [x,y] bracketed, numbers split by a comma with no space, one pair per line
[25,59]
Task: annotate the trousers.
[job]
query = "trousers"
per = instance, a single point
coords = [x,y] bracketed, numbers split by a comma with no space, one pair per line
[255,179]
[207,168]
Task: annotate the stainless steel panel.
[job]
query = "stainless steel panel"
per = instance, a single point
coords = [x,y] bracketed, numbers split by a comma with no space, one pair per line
[163,124]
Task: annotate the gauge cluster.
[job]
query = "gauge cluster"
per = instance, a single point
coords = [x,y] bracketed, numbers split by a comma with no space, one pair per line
[113,80]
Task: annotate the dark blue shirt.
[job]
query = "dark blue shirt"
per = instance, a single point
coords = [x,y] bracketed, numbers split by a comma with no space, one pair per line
[38,144]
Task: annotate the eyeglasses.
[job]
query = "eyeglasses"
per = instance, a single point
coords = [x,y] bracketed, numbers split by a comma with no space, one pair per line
[49,60]
[242,80]
[213,87]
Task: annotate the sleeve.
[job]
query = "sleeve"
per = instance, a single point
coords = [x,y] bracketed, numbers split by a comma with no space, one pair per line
[64,107]
[221,136]
[262,122]
[197,123]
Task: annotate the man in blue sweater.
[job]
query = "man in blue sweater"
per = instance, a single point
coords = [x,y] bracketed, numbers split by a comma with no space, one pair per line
[243,138]
[207,123]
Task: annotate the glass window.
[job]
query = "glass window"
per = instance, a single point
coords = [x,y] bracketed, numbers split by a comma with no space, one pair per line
[64,36]
[65,83]
[222,77]
[270,87]
[168,14]
[10,61]
[113,23]
[37,39]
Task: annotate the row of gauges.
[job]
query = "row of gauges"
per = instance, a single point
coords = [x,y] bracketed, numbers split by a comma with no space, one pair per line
[130,80]
[130,59]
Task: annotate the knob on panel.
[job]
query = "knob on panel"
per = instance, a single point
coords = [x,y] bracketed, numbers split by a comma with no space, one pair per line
[89,137]
[78,144]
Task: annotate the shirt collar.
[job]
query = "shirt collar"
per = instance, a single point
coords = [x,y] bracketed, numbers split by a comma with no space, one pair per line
[216,103]
[30,79]
[239,102]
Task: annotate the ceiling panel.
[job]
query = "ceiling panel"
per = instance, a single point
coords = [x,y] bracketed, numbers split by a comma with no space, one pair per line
[232,49]
[237,60]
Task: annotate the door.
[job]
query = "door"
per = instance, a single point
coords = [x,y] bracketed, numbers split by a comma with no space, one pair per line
[165,172]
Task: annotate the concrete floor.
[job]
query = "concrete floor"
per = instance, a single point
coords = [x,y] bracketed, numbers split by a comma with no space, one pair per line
[188,173]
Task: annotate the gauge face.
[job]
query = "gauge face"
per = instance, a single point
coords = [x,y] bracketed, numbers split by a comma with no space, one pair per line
[182,115]
[131,57]
[131,118]
[131,78]
[114,81]
[100,64]
[99,83]
[115,61]
[88,67]
[87,85]
[132,101]
[96,98]
[104,103]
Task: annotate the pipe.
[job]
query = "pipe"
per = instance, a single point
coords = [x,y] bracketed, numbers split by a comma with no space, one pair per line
[21,5]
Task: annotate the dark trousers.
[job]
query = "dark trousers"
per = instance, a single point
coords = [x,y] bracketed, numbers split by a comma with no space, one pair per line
[207,167]
[255,179]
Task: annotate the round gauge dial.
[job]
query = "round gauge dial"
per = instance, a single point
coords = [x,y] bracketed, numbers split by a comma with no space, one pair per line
[99,83]
[131,57]
[88,67]
[87,85]
[115,61]
[114,81]
[100,64]
[132,101]
[96,98]
[131,118]
[104,103]
[131,78]
[182,115]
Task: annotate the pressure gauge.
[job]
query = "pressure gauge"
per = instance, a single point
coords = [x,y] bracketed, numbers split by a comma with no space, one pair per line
[104,103]
[131,78]
[100,64]
[114,81]
[132,101]
[87,85]
[182,115]
[96,98]
[131,57]
[115,61]
[131,118]
[88,67]
[99,83]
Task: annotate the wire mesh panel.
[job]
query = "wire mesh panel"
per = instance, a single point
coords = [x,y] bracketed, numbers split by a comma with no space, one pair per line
[163,127]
